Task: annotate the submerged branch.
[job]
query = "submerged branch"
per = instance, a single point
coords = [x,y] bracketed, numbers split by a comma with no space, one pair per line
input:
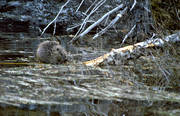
[126,51]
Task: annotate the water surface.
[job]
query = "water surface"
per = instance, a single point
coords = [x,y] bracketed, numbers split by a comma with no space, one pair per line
[148,85]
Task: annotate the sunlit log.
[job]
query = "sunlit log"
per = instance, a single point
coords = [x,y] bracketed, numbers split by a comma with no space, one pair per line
[128,50]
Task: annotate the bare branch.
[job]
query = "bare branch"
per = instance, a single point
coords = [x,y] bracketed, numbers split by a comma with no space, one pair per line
[100,20]
[100,3]
[79,5]
[134,4]
[78,25]
[119,15]
[54,32]
[90,6]
[127,35]
[54,20]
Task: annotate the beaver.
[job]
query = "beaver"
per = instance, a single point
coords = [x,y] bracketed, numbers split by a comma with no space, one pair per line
[51,52]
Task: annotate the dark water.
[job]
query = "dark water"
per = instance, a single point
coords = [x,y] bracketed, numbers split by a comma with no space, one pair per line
[136,87]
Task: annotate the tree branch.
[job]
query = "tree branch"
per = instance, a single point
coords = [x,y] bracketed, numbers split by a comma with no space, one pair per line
[100,20]
[96,7]
[54,20]
[118,16]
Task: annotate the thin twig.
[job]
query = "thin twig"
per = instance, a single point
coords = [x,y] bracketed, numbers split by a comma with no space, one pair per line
[54,20]
[100,3]
[119,15]
[133,5]
[90,6]
[86,19]
[79,5]
[75,26]
[93,11]
[176,10]
[127,35]
[164,71]
[78,25]
[54,28]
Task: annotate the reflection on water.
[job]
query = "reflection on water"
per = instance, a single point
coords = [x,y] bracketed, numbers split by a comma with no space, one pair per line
[83,107]
[129,88]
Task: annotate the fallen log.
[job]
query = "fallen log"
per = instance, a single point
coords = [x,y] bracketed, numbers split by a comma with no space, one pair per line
[131,49]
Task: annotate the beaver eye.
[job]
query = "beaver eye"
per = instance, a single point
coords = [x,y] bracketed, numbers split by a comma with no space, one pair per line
[57,49]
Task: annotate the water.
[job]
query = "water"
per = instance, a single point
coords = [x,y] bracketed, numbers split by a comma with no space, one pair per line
[133,87]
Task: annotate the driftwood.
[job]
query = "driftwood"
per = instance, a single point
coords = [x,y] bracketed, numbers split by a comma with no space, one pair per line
[128,50]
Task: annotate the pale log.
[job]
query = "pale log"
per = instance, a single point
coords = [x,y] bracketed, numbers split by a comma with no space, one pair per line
[126,51]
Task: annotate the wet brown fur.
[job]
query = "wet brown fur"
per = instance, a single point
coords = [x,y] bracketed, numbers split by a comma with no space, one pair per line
[51,52]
